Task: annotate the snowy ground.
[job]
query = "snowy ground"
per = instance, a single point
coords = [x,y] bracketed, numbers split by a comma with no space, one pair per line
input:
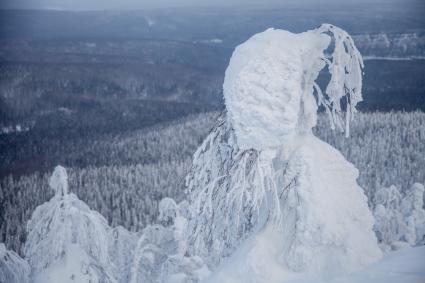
[403,266]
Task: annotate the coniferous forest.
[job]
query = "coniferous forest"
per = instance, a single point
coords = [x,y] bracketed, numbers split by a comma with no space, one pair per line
[154,144]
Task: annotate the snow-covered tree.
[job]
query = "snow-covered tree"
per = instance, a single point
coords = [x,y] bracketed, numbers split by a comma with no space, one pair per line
[161,251]
[13,269]
[389,221]
[67,242]
[413,211]
[261,177]
[122,244]
[399,217]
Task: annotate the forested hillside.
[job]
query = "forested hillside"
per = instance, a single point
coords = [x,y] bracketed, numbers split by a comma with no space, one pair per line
[130,173]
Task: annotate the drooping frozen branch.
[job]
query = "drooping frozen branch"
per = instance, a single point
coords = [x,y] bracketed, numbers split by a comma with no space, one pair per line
[345,66]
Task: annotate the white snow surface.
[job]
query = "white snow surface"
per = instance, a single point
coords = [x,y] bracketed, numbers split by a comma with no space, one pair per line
[406,265]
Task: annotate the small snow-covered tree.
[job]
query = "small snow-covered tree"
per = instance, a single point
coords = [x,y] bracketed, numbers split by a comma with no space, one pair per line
[414,215]
[161,251]
[58,182]
[13,269]
[67,242]
[122,244]
[261,169]
[399,217]
[389,221]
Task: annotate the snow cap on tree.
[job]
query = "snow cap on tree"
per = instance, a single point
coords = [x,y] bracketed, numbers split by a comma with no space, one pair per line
[59,181]
[168,211]
[270,83]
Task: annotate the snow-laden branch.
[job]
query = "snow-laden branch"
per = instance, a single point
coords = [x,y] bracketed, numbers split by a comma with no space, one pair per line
[345,66]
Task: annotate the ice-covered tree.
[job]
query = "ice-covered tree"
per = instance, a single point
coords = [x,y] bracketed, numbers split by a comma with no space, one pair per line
[161,256]
[122,244]
[399,217]
[261,172]
[67,242]
[13,269]
[412,208]
[389,221]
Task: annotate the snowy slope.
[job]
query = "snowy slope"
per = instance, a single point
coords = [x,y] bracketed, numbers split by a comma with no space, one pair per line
[407,266]
[404,266]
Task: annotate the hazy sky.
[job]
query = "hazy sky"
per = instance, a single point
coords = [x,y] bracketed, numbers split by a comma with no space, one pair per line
[142,4]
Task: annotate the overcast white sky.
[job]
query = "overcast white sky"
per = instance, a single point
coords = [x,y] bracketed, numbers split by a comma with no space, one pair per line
[143,4]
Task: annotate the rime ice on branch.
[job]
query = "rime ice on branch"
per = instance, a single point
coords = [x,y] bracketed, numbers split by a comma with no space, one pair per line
[270,82]
[261,168]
